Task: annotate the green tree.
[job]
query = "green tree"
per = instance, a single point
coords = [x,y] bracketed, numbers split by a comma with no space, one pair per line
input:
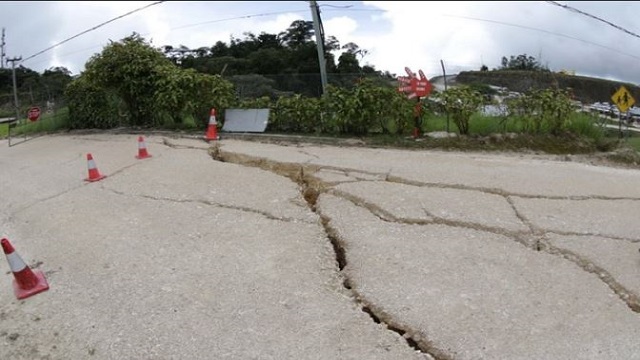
[298,33]
[130,68]
[522,62]
[253,86]
[55,80]
[289,58]
[153,90]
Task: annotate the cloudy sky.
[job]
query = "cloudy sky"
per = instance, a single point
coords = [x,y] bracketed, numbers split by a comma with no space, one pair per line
[396,34]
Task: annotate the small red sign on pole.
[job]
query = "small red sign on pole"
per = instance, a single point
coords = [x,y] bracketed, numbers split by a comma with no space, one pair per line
[414,87]
[34,113]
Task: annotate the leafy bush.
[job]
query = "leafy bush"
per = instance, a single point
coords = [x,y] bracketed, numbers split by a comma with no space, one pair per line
[91,106]
[296,114]
[460,103]
[539,111]
[367,107]
[151,89]
[257,103]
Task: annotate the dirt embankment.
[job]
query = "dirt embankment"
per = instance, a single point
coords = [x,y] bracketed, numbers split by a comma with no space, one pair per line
[585,89]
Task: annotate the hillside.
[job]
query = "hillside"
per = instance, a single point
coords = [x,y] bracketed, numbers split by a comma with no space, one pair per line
[585,89]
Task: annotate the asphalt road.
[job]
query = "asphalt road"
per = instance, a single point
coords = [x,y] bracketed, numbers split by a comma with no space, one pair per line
[247,250]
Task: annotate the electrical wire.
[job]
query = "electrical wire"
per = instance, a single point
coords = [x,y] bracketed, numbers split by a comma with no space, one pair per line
[91,29]
[546,32]
[337,8]
[236,18]
[572,9]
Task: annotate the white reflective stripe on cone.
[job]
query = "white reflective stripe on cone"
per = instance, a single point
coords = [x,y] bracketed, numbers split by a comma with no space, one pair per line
[141,145]
[92,164]
[212,120]
[15,262]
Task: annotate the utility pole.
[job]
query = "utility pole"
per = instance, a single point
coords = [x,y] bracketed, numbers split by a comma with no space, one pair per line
[15,86]
[444,76]
[317,26]
[2,55]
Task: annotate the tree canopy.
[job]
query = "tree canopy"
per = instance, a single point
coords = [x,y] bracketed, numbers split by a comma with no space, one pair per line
[288,59]
[522,62]
[33,88]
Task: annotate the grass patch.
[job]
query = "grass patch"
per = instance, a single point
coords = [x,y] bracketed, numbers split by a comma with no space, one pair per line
[4,130]
[48,123]
[633,143]
[496,142]
[432,123]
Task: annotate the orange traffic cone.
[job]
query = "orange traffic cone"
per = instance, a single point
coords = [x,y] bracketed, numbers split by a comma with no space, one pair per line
[212,129]
[94,174]
[27,282]
[142,149]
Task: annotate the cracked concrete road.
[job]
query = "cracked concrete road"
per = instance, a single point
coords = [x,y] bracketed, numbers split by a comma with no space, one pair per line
[247,250]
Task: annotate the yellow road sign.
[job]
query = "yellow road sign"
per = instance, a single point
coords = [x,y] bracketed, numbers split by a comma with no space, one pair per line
[623,99]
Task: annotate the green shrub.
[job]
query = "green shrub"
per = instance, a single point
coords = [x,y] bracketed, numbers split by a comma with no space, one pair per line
[366,108]
[542,111]
[91,106]
[296,114]
[460,103]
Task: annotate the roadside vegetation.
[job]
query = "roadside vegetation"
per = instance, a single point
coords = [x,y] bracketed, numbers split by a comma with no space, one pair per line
[134,85]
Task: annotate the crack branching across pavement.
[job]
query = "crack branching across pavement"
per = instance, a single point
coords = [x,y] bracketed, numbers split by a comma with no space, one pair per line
[205,202]
[312,186]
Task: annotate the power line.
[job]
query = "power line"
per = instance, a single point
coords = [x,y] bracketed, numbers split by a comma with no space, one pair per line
[236,18]
[572,9]
[180,27]
[350,9]
[267,14]
[92,29]
[547,32]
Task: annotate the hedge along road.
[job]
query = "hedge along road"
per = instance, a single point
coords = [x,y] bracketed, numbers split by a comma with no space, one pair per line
[251,250]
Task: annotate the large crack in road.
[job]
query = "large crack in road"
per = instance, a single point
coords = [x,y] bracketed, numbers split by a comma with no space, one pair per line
[312,186]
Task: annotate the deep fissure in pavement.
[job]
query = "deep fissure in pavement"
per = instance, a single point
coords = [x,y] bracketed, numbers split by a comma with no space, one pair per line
[310,189]
[338,249]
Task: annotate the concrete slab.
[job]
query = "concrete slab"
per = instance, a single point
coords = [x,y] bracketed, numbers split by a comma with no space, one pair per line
[181,256]
[613,218]
[192,175]
[366,177]
[515,174]
[185,142]
[134,277]
[619,258]
[469,294]
[47,166]
[332,176]
[467,207]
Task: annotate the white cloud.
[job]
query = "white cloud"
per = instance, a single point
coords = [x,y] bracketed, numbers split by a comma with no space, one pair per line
[413,34]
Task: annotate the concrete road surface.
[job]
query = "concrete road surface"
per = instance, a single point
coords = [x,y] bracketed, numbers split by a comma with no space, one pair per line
[245,250]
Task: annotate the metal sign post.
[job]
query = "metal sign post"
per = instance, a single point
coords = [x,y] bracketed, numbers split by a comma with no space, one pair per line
[11,123]
[623,100]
